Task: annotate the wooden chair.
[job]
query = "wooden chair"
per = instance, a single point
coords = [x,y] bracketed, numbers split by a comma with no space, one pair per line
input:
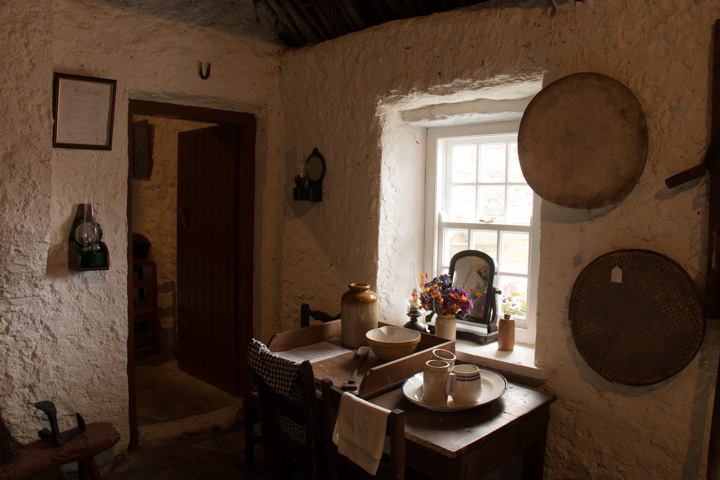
[251,416]
[291,425]
[306,314]
[145,307]
[392,467]
[251,409]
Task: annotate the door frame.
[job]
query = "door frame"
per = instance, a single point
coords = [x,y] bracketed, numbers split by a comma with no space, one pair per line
[247,131]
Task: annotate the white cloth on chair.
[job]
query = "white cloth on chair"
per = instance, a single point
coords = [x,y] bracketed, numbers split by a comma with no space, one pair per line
[360,431]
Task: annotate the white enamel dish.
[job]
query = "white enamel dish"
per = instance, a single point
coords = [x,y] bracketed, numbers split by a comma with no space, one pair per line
[493,387]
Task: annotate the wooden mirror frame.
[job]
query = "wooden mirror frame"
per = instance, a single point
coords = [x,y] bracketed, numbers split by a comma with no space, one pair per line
[463,264]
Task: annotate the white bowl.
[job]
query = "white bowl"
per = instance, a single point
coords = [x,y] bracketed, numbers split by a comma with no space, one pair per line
[390,343]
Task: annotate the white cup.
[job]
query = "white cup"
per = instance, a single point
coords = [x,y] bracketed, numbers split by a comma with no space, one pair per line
[464,384]
[446,355]
[435,382]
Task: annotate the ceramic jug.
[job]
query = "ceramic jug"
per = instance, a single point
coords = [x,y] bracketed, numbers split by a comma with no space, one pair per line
[465,384]
[435,378]
[445,355]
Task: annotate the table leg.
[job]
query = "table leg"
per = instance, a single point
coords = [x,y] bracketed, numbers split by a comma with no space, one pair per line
[533,462]
[87,468]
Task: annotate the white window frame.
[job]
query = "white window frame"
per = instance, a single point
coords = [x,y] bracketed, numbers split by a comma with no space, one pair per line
[435,171]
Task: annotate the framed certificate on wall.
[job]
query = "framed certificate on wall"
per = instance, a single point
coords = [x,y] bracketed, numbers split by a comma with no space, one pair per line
[83,109]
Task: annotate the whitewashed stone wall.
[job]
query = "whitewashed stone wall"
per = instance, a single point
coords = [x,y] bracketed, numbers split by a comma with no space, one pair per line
[63,334]
[660,50]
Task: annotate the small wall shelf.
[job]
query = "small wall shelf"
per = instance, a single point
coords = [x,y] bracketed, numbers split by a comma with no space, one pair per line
[75,258]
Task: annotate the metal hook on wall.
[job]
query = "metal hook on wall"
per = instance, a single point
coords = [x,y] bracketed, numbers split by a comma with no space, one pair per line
[203,74]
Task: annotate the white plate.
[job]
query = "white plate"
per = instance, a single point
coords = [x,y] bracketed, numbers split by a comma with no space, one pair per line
[493,386]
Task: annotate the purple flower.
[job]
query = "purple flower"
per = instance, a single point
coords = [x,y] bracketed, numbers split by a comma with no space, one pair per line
[439,296]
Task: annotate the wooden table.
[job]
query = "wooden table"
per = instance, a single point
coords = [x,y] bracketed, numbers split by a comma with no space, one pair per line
[454,446]
[472,443]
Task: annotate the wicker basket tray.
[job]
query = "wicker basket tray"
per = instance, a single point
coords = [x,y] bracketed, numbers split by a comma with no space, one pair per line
[640,331]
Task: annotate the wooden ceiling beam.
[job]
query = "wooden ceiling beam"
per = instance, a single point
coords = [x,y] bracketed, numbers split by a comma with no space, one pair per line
[307,22]
[311,19]
[336,19]
[347,10]
[293,30]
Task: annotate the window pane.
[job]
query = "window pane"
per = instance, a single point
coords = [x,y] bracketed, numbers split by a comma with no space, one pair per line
[492,163]
[515,174]
[485,241]
[514,295]
[463,164]
[454,240]
[520,205]
[462,203]
[515,249]
[492,205]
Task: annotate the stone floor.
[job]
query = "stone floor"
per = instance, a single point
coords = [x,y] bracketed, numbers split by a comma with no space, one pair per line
[165,393]
[188,429]
[204,456]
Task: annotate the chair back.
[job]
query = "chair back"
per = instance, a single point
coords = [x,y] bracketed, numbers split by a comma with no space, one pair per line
[289,412]
[393,464]
[306,314]
[474,272]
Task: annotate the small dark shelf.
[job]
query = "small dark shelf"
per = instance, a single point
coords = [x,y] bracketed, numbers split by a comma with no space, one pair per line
[75,258]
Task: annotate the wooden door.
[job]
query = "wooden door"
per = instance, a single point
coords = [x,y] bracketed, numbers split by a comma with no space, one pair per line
[215,225]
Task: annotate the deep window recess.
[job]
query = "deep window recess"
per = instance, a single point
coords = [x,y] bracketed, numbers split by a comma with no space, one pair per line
[480,201]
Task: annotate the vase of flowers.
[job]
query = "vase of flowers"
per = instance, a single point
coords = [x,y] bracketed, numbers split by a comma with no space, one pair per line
[439,297]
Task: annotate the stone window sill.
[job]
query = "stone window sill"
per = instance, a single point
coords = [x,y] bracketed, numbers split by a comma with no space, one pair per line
[519,364]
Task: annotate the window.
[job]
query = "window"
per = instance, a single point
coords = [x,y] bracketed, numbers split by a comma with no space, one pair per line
[482,202]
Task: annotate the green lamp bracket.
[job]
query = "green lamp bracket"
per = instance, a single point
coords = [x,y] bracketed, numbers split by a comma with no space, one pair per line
[309,185]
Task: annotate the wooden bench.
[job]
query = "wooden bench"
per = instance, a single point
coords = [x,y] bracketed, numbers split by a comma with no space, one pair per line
[42,454]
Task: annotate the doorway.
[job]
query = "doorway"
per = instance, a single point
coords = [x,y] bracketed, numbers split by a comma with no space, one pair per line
[208,323]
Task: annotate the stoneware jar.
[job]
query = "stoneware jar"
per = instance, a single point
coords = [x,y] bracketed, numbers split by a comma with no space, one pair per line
[445,326]
[358,314]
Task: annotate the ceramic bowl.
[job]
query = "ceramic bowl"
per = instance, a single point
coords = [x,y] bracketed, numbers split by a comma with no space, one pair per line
[390,343]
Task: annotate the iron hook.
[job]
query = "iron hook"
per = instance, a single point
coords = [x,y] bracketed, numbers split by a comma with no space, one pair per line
[203,74]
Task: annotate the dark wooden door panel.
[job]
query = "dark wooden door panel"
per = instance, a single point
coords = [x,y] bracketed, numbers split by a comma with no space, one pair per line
[208,255]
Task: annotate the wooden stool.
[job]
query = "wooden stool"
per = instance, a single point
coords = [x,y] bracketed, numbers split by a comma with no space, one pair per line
[42,454]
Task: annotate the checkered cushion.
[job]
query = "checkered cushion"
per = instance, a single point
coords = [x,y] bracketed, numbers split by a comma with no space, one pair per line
[281,375]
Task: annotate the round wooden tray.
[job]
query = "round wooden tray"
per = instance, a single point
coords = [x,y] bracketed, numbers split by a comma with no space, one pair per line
[640,331]
[582,141]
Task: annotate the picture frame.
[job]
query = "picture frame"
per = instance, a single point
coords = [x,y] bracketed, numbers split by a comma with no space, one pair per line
[141,150]
[83,111]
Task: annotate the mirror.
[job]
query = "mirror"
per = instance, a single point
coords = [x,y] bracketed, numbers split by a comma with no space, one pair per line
[473,271]
[315,166]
